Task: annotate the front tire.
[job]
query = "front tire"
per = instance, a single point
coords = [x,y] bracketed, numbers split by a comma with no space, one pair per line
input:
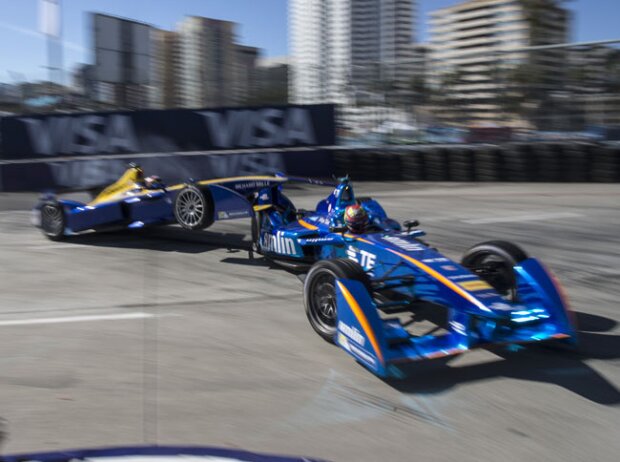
[53,221]
[493,262]
[193,208]
[320,293]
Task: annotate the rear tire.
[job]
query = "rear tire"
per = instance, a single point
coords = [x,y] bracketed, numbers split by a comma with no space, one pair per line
[53,221]
[493,262]
[320,293]
[257,223]
[193,208]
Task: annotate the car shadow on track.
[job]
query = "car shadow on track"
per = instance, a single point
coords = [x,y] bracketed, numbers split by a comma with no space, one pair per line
[165,239]
[564,368]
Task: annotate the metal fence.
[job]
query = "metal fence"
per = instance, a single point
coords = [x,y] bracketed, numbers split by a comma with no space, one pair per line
[551,92]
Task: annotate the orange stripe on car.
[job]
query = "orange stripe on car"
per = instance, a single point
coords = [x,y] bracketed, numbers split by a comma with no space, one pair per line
[444,280]
[361,318]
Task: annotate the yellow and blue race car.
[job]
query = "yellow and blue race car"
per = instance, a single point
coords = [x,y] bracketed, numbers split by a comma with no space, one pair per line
[135,201]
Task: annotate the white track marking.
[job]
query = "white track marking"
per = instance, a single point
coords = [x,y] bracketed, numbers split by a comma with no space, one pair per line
[67,319]
[518,218]
[15,212]
[57,246]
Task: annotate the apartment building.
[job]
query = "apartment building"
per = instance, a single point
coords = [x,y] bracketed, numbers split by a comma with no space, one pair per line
[479,46]
[344,50]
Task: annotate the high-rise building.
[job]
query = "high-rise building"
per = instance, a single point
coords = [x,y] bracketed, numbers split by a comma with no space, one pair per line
[165,88]
[122,49]
[594,84]
[208,55]
[481,52]
[344,50]
[246,78]
[272,81]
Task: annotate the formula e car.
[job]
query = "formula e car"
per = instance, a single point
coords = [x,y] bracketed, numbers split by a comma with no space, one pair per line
[135,202]
[366,291]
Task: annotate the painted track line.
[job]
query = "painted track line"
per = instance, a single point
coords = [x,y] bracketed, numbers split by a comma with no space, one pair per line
[69,319]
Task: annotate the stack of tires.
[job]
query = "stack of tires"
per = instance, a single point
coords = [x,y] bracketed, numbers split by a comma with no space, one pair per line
[461,164]
[605,164]
[511,162]
[487,163]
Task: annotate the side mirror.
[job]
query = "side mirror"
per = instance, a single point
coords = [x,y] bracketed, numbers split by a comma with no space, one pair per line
[410,224]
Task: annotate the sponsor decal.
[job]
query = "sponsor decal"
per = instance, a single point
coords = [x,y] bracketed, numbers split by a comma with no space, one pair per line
[460,277]
[223,215]
[458,327]
[449,268]
[498,306]
[366,260]
[475,285]
[363,354]
[404,244]
[264,197]
[260,128]
[88,134]
[278,243]
[343,342]
[319,219]
[486,295]
[352,333]
[436,260]
[320,240]
[251,185]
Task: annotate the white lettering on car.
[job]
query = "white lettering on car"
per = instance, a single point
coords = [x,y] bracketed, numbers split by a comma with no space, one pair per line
[366,260]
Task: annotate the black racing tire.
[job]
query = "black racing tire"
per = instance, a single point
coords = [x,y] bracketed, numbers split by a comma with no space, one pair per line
[53,220]
[193,208]
[493,262]
[320,293]
[257,223]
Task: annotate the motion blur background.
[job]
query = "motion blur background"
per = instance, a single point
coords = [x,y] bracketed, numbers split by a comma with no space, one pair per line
[444,110]
[400,71]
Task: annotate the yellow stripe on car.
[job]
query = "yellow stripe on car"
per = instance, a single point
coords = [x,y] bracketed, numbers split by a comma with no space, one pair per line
[475,286]
[307,225]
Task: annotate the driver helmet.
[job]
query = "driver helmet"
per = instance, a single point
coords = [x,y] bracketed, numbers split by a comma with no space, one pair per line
[356,218]
[153,182]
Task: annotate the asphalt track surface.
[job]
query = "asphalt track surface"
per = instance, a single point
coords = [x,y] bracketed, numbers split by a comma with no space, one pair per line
[173,337]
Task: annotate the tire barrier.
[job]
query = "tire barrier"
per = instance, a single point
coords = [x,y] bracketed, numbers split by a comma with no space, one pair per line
[461,165]
[606,165]
[487,164]
[511,162]
[435,164]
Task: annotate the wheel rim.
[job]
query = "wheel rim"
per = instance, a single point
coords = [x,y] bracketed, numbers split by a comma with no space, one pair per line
[497,271]
[323,301]
[190,207]
[52,219]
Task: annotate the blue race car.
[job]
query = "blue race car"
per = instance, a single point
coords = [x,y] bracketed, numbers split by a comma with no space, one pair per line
[135,201]
[364,290]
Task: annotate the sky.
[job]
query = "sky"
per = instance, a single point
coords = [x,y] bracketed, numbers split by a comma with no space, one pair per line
[263,23]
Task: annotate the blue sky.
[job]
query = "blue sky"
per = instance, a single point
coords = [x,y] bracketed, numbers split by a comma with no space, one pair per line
[262,24]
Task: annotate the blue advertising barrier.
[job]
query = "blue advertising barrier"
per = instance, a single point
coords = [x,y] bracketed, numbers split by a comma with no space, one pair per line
[174,130]
[93,173]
